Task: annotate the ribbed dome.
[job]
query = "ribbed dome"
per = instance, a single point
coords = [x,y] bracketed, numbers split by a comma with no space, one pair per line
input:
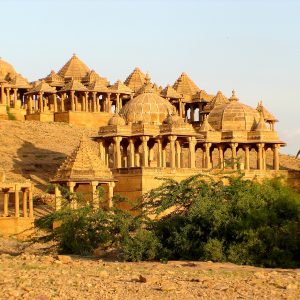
[6,68]
[233,116]
[147,107]
[116,120]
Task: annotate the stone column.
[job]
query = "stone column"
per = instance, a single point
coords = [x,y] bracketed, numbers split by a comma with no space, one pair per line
[95,106]
[101,150]
[117,151]
[25,194]
[72,93]
[159,153]
[172,140]
[2,94]
[178,154]
[247,157]
[164,158]
[260,156]
[95,195]
[221,156]
[8,97]
[131,153]
[108,103]
[30,200]
[55,102]
[17,201]
[234,155]
[276,148]
[5,202]
[15,97]
[58,198]
[62,99]
[180,107]
[41,108]
[145,155]
[117,103]
[206,156]
[192,152]
[111,186]
[30,101]
[86,100]
[264,160]
[73,202]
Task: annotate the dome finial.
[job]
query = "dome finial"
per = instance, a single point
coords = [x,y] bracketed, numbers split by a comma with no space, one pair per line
[147,78]
[234,97]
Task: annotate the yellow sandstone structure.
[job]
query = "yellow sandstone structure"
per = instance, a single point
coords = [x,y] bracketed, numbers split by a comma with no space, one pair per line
[16,206]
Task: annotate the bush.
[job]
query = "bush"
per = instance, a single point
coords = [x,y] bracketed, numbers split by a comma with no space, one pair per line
[244,222]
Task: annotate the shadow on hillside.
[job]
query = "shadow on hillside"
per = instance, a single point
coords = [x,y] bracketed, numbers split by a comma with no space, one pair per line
[37,164]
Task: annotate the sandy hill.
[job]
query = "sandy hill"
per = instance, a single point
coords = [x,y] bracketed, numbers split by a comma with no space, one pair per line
[34,150]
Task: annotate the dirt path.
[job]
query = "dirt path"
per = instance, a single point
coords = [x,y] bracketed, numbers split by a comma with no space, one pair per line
[25,275]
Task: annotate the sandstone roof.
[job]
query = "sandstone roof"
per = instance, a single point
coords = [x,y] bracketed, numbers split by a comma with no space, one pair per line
[98,86]
[219,99]
[147,107]
[202,95]
[206,126]
[136,79]
[54,79]
[261,125]
[74,68]
[6,68]
[266,114]
[169,92]
[42,87]
[93,76]
[184,85]
[19,81]
[120,87]
[83,165]
[233,116]
[74,85]
[116,120]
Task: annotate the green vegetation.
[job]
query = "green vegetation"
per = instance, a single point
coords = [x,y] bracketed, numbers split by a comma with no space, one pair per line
[243,222]
[9,114]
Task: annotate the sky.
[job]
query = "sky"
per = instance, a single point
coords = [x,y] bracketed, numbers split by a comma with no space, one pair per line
[250,46]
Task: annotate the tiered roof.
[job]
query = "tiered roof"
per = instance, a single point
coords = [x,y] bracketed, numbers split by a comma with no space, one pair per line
[93,76]
[120,87]
[74,68]
[98,86]
[266,114]
[19,81]
[42,87]
[169,92]
[136,79]
[219,99]
[184,85]
[83,165]
[74,85]
[54,79]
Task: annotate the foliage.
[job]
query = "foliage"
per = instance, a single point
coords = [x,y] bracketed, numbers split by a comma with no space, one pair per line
[10,115]
[200,218]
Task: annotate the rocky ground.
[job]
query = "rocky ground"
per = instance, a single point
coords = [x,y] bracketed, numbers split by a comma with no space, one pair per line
[26,272]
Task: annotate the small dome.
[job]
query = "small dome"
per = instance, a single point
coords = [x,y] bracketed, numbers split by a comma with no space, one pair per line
[6,68]
[148,107]
[174,119]
[116,120]
[233,116]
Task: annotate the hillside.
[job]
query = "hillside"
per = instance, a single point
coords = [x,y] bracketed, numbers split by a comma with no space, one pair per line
[34,150]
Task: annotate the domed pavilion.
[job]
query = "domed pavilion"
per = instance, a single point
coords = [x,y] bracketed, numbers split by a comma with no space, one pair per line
[149,139]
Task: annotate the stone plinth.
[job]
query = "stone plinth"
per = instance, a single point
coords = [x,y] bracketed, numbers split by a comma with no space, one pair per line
[87,119]
[42,117]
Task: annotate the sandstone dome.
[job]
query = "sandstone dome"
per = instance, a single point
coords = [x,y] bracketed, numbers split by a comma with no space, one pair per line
[6,68]
[116,120]
[233,116]
[148,107]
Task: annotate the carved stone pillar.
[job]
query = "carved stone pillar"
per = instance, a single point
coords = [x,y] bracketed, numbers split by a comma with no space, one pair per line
[192,153]
[15,97]
[72,94]
[95,105]
[86,100]
[247,157]
[206,156]
[131,153]
[221,156]
[73,203]
[145,155]
[117,151]
[8,97]
[111,186]
[5,202]
[108,103]
[58,198]
[30,200]
[178,154]
[260,156]
[2,95]
[25,194]
[276,148]
[234,155]
[95,195]
[159,153]
[172,140]
[117,103]
[17,201]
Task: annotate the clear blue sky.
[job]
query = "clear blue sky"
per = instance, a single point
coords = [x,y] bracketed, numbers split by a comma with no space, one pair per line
[252,46]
